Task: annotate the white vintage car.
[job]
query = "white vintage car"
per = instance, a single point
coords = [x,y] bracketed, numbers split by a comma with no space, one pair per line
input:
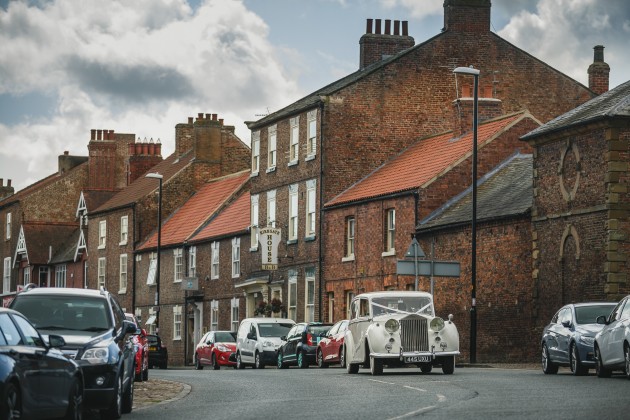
[397,328]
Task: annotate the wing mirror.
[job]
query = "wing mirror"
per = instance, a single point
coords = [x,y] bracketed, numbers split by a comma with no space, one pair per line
[56,341]
[601,320]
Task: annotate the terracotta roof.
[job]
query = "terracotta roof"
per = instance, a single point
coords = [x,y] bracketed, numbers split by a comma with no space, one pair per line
[142,186]
[233,219]
[424,161]
[506,191]
[41,239]
[198,209]
[614,103]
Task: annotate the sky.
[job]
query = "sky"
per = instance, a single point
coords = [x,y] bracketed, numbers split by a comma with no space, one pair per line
[143,66]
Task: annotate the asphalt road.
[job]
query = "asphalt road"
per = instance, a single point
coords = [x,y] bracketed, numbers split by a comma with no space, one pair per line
[470,393]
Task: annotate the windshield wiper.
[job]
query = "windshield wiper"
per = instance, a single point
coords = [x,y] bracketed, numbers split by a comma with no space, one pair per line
[54,327]
[94,329]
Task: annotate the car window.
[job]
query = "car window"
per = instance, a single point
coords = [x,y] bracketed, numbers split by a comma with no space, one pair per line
[9,331]
[252,331]
[344,326]
[555,318]
[364,307]
[319,329]
[565,315]
[243,330]
[616,313]
[275,329]
[354,309]
[589,314]
[119,315]
[625,313]
[30,334]
[399,304]
[225,337]
[334,329]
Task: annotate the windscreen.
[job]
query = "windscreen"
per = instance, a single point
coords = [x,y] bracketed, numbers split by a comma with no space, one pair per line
[274,329]
[589,314]
[402,304]
[225,337]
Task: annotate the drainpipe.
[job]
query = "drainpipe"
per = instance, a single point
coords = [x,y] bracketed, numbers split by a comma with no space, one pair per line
[321,204]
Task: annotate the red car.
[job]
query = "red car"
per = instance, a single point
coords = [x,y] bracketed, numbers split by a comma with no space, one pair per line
[330,348]
[216,349]
[141,347]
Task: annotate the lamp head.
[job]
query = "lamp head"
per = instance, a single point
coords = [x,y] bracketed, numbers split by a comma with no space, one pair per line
[467,70]
[154,175]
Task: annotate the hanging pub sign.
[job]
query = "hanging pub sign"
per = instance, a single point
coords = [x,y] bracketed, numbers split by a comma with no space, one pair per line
[269,239]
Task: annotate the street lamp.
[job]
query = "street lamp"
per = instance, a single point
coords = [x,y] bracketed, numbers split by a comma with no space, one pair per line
[470,71]
[159,243]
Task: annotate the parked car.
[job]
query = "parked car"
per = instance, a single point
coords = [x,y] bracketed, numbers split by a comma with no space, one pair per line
[299,346]
[158,353]
[612,343]
[216,349]
[258,339]
[141,347]
[330,348]
[397,328]
[97,337]
[569,337]
[55,390]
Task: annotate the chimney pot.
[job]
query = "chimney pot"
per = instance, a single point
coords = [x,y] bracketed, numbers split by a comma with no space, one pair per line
[221,121]
[92,134]
[208,116]
[598,56]
[200,115]
[190,120]
[8,182]
[377,30]
[388,26]
[404,28]
[368,27]
[65,153]
[396,27]
[214,117]
[99,134]
[1,182]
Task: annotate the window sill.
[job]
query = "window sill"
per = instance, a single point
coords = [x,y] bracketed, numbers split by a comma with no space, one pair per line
[272,169]
[236,276]
[101,247]
[214,278]
[391,253]
[293,163]
[122,243]
[177,339]
[151,284]
[177,281]
[253,174]
[253,249]
[292,241]
[310,157]
[346,259]
[309,238]
[122,291]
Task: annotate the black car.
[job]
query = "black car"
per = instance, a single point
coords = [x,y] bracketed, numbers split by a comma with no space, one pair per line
[36,379]
[158,354]
[97,338]
[300,344]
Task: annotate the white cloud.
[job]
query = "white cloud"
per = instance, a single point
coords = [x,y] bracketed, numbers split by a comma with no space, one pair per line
[418,9]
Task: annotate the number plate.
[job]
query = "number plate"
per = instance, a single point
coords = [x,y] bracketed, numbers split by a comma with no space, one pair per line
[416,359]
[153,348]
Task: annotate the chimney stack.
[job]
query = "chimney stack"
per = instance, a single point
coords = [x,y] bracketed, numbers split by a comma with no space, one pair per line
[598,72]
[374,46]
[468,16]
[6,191]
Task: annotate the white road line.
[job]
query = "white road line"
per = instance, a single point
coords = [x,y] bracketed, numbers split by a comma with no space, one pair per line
[417,389]
[382,382]
[413,413]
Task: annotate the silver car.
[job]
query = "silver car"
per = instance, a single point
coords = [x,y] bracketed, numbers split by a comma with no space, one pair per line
[612,343]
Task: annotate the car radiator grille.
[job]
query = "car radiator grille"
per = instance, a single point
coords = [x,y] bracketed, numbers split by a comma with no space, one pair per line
[414,335]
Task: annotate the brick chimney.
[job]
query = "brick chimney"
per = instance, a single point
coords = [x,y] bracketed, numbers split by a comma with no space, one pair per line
[67,162]
[143,155]
[6,191]
[207,138]
[463,108]
[472,16]
[108,154]
[598,72]
[184,136]
[374,45]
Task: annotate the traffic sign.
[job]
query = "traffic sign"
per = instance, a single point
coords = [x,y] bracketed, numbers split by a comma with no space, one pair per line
[440,268]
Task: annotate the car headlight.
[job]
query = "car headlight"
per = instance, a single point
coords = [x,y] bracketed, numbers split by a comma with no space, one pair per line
[587,340]
[222,348]
[96,355]
[267,344]
[392,325]
[436,324]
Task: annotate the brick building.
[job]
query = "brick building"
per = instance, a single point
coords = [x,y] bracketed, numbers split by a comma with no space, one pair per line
[322,144]
[580,219]
[189,289]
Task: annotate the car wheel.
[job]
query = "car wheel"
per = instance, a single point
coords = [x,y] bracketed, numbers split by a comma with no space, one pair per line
[601,371]
[239,362]
[127,400]
[12,406]
[301,361]
[281,364]
[215,362]
[198,365]
[75,401]
[320,359]
[577,367]
[258,363]
[548,366]
[376,366]
[426,368]
[351,367]
[448,365]
[342,358]
[115,409]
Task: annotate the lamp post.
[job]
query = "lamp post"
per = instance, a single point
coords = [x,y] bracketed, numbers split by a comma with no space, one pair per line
[159,177]
[473,265]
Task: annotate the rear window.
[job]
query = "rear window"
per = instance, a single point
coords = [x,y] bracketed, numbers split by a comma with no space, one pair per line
[318,329]
[274,329]
[153,340]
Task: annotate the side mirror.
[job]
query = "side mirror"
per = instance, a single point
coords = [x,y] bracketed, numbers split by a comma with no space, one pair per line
[56,341]
[128,327]
[601,319]
[283,338]
[566,324]
[251,336]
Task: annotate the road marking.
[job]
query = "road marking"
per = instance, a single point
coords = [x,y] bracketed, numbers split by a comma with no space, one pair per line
[413,413]
[417,389]
[382,382]
[441,398]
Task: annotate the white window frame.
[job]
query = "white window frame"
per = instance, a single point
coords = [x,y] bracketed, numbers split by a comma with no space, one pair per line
[151,275]
[124,230]
[234,315]
[390,233]
[309,294]
[102,234]
[178,265]
[255,152]
[311,142]
[236,257]
[60,275]
[101,271]
[271,208]
[8,226]
[293,212]
[272,153]
[214,270]
[122,270]
[254,210]
[292,292]
[192,261]
[294,140]
[349,237]
[27,275]
[214,315]
[6,276]
[311,205]
[349,296]
[177,322]
[331,306]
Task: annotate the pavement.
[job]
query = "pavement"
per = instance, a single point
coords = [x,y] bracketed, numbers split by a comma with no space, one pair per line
[160,391]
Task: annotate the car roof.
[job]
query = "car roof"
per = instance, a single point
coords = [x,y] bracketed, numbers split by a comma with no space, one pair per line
[63,291]
[269,320]
[592,304]
[390,293]
[9,311]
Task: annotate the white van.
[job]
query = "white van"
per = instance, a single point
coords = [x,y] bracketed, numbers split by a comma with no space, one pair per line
[258,339]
